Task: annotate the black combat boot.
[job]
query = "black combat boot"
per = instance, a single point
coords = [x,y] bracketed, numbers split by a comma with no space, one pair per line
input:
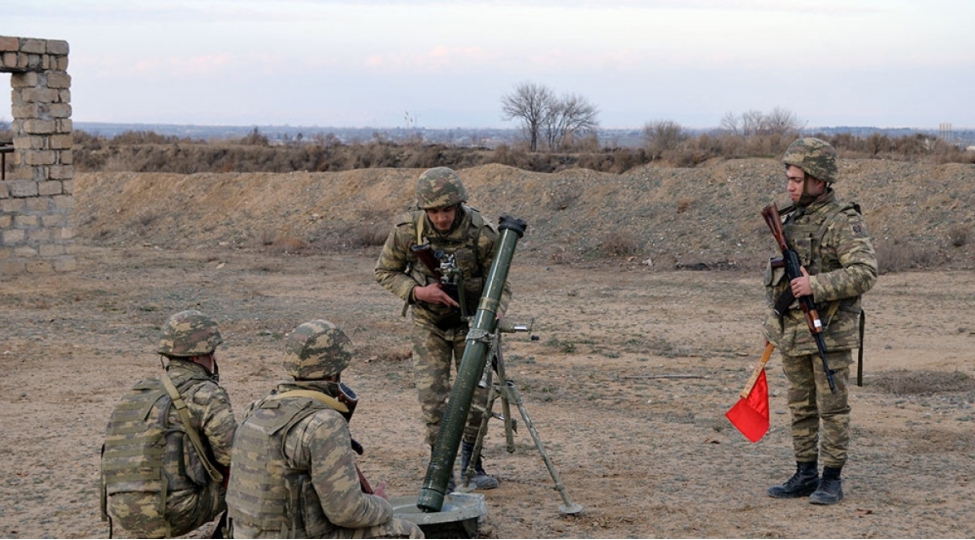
[480,479]
[830,490]
[803,483]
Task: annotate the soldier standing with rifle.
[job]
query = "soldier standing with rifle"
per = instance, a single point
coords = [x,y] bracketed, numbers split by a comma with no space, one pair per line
[441,223]
[838,265]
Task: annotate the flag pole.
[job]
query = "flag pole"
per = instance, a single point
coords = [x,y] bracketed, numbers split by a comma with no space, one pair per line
[758,370]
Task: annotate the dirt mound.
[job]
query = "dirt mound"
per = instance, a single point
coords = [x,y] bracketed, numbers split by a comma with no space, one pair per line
[668,217]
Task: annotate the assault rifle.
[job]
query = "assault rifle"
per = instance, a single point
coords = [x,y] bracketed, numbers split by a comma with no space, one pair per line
[790,260]
[444,269]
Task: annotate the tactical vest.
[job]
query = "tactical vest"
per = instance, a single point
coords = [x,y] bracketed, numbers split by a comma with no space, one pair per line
[141,445]
[462,244]
[265,494]
[840,316]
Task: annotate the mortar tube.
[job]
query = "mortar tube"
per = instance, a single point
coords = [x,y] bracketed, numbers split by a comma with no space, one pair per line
[471,368]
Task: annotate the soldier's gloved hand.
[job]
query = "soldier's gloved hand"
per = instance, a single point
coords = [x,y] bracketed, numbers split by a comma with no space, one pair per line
[433,294]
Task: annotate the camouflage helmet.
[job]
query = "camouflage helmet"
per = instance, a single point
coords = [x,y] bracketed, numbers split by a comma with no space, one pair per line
[814,156]
[189,333]
[317,349]
[439,187]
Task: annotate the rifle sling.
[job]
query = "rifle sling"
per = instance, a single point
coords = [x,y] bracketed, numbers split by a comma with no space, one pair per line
[193,435]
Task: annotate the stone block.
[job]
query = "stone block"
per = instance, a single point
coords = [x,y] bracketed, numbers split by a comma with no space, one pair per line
[50,250]
[12,206]
[62,63]
[41,205]
[27,221]
[52,187]
[66,157]
[60,110]
[39,236]
[13,237]
[52,220]
[25,110]
[40,157]
[61,172]
[37,126]
[8,60]
[13,267]
[31,79]
[36,62]
[65,125]
[63,141]
[40,266]
[31,45]
[6,221]
[9,43]
[58,79]
[67,186]
[30,142]
[57,47]
[25,252]
[22,188]
[4,190]
[39,95]
[67,233]
[65,264]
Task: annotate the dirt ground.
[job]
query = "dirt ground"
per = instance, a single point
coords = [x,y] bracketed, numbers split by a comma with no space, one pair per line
[627,386]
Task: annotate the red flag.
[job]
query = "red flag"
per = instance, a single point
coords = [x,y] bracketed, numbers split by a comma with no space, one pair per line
[750,414]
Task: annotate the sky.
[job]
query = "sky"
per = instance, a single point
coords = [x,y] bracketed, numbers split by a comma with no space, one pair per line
[448,63]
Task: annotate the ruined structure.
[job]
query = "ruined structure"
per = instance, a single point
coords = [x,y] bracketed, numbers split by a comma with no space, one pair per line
[36,190]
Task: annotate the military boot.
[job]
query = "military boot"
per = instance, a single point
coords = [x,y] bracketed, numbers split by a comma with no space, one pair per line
[480,479]
[830,490]
[803,483]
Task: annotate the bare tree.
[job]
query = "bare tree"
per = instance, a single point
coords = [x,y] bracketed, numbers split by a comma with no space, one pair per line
[730,123]
[751,122]
[778,122]
[529,103]
[663,135]
[782,122]
[568,118]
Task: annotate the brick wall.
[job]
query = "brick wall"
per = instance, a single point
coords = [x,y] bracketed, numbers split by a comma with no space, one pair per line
[36,195]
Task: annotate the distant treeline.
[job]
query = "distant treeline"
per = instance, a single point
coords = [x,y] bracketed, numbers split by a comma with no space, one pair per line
[146,151]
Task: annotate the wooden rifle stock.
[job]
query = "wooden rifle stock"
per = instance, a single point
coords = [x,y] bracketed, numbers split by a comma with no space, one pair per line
[790,259]
[425,254]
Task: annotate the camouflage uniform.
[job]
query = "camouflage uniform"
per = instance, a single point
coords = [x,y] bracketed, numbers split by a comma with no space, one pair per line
[833,245]
[190,497]
[294,472]
[154,482]
[439,334]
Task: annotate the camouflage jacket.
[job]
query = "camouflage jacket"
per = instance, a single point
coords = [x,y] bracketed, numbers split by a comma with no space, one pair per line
[471,241]
[294,472]
[833,245]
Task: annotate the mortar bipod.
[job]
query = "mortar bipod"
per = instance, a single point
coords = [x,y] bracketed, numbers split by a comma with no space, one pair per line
[508,392]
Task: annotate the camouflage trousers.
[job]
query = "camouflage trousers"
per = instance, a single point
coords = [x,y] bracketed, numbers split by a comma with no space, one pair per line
[434,351]
[820,418]
[186,511]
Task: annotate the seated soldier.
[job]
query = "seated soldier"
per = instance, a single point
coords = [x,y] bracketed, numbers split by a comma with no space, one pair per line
[294,473]
[167,447]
